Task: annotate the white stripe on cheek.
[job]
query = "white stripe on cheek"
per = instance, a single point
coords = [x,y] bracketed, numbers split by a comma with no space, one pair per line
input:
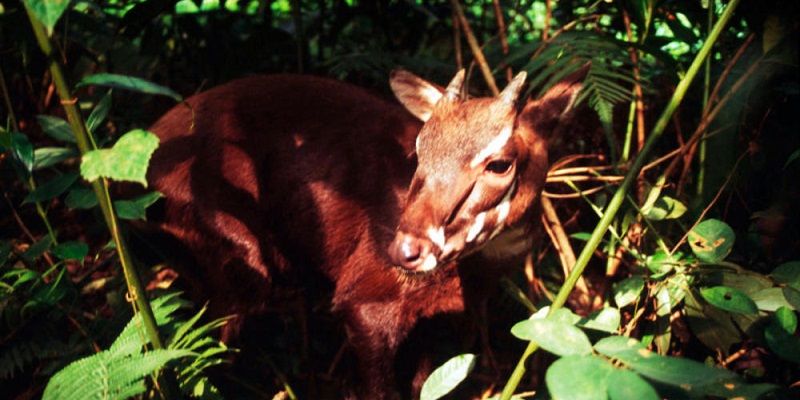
[493,147]
[477,227]
[437,237]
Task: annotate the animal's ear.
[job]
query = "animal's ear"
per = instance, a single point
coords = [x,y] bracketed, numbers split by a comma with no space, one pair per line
[544,113]
[420,96]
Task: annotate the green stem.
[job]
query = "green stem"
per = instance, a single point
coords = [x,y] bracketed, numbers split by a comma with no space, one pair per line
[701,151]
[619,196]
[100,187]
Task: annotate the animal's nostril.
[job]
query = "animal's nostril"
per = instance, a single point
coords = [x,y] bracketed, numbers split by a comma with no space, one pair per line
[408,251]
[411,250]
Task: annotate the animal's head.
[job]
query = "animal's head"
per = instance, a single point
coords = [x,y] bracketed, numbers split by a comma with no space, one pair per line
[482,163]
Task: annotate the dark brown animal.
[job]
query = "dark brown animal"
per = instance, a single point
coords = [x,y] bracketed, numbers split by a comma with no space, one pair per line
[270,178]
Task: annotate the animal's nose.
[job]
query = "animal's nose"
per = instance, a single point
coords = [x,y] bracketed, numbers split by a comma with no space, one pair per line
[412,253]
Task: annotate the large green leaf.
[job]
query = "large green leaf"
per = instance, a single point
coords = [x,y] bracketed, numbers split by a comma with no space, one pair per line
[554,336]
[626,385]
[773,298]
[129,83]
[579,377]
[445,378]
[48,12]
[712,326]
[687,374]
[127,160]
[711,240]
[729,299]
[606,320]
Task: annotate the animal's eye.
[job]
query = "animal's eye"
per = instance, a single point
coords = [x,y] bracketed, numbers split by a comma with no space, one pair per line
[498,167]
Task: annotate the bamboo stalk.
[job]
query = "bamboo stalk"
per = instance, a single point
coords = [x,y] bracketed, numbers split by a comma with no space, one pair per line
[100,188]
[619,196]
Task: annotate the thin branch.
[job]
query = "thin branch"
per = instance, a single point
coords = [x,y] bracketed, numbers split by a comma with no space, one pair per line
[475,47]
[501,33]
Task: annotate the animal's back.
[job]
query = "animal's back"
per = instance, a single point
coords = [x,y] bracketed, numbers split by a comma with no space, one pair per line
[268,177]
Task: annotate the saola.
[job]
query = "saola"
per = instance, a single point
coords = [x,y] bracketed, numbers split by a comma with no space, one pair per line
[268,179]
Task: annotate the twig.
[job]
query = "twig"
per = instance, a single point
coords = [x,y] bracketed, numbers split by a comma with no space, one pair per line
[501,33]
[572,195]
[548,13]
[710,204]
[457,41]
[555,230]
[475,47]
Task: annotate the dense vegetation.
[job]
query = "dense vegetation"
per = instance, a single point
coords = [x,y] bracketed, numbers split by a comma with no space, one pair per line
[671,226]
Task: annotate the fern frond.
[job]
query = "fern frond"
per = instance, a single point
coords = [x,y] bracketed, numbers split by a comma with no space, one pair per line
[108,375]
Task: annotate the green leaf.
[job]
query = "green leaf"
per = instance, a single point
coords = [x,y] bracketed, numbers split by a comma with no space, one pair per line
[81,198]
[625,385]
[729,299]
[714,327]
[584,236]
[44,157]
[661,263]
[74,250]
[665,208]
[127,160]
[579,377]
[52,188]
[557,337]
[711,240]
[129,83]
[48,12]
[788,274]
[606,320]
[136,208]
[445,378]
[779,335]
[773,298]
[786,319]
[21,148]
[99,113]
[56,128]
[673,371]
[627,291]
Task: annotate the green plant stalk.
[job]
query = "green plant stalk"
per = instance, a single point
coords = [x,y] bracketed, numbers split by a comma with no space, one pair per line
[626,147]
[701,151]
[619,196]
[100,187]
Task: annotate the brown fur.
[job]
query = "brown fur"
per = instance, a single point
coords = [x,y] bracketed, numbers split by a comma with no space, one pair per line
[268,179]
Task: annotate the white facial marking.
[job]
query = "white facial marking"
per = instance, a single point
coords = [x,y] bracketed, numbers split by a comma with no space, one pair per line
[437,236]
[416,144]
[429,263]
[505,205]
[476,228]
[493,147]
[502,211]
